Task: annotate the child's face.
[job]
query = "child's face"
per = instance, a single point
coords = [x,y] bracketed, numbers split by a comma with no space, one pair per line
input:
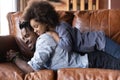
[38,27]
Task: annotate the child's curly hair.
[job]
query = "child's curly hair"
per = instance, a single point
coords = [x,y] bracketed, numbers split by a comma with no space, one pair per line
[42,12]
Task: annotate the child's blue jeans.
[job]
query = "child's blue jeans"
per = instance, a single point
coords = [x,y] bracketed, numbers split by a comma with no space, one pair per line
[112,48]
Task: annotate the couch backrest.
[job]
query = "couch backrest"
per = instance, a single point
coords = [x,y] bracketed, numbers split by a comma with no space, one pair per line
[105,20]
[13,21]
[92,20]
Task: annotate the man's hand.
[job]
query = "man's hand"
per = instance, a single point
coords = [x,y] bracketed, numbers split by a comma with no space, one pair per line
[11,54]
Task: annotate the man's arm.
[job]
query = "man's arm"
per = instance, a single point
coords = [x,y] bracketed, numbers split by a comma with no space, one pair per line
[23,65]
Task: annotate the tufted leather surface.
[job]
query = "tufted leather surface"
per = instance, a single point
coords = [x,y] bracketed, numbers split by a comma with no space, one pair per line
[41,75]
[88,74]
[9,71]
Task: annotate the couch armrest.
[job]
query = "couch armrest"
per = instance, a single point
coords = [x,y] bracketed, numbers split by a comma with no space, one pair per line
[88,74]
[7,43]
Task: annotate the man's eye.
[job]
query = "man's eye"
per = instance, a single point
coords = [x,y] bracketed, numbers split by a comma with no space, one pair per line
[23,38]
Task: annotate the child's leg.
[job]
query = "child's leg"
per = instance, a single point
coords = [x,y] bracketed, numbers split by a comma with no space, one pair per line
[100,59]
[112,48]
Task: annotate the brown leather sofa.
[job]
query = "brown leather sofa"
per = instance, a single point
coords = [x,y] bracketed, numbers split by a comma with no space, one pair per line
[106,20]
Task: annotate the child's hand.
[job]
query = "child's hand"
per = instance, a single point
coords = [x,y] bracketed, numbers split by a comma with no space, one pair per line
[11,55]
[54,35]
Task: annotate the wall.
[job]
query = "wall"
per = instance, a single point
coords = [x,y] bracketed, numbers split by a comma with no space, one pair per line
[103,4]
[115,4]
[11,7]
[109,4]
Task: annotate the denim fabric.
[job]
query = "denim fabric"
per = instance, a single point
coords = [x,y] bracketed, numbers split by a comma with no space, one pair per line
[49,55]
[112,48]
[100,59]
[71,39]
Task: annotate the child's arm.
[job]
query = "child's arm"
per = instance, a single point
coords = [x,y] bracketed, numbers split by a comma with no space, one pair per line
[54,35]
[62,36]
[64,31]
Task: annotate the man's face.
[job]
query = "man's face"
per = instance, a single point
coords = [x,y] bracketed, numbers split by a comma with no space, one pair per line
[29,37]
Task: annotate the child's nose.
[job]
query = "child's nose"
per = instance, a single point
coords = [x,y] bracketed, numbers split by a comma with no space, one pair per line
[35,30]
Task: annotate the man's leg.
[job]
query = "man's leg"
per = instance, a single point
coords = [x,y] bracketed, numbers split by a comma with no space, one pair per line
[112,48]
[100,59]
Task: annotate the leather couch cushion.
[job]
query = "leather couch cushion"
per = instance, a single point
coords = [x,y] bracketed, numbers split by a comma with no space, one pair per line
[88,74]
[9,71]
[41,75]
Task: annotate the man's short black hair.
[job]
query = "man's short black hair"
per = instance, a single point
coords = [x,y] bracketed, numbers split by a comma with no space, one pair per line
[25,24]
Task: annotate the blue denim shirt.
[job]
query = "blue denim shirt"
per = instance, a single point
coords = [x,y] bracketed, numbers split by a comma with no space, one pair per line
[49,55]
[71,39]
